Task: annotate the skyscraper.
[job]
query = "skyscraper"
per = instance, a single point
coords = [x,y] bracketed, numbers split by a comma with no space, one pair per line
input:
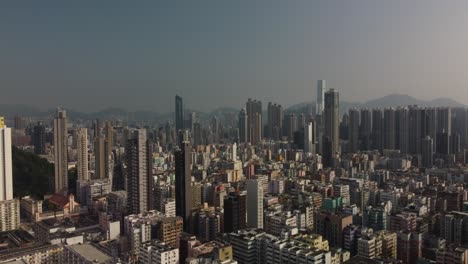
[415,131]
[139,173]
[61,152]
[377,129]
[321,87]
[332,119]
[243,126]
[389,128]
[366,129]
[235,211]
[6,170]
[444,120]
[9,207]
[100,155]
[402,129]
[255,125]
[179,113]
[290,126]
[183,184]
[354,129]
[82,151]
[275,121]
[39,138]
[427,152]
[310,137]
[254,204]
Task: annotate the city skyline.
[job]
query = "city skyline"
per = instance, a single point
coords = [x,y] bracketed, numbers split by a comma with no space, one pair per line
[203,51]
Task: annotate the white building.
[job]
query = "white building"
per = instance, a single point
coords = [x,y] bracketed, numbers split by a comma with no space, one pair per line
[157,252]
[9,207]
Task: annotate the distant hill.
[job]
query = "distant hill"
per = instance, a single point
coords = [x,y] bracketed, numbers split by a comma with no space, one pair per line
[391,100]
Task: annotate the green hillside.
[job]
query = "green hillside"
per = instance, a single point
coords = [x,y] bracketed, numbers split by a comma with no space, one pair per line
[31,174]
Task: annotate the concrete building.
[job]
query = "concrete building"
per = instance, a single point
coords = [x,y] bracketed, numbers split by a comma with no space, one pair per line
[61,152]
[183,184]
[82,153]
[157,252]
[254,204]
[332,119]
[139,173]
[320,100]
[85,254]
[9,207]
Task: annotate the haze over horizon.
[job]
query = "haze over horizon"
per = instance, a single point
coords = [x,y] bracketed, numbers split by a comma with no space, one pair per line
[93,55]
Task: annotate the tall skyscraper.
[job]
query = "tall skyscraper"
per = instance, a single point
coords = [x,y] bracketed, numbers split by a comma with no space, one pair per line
[290,126]
[429,123]
[444,120]
[183,184]
[39,138]
[9,207]
[321,87]
[310,137]
[415,131]
[100,155]
[377,129]
[6,171]
[139,173]
[402,129]
[179,113]
[243,127]
[255,125]
[354,129]
[254,204]
[61,152]
[82,151]
[275,121]
[427,152]
[332,119]
[109,155]
[365,129]
[389,128]
[197,134]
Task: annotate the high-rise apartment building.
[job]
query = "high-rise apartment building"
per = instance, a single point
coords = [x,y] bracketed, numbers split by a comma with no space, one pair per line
[310,135]
[100,155]
[82,152]
[39,139]
[275,121]
[9,207]
[61,152]
[427,152]
[354,130]
[389,128]
[243,126]
[139,173]
[254,204]
[377,129]
[402,129]
[254,125]
[332,119]
[235,211]
[183,184]
[366,129]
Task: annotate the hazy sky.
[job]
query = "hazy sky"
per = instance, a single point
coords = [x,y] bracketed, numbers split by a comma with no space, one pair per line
[91,55]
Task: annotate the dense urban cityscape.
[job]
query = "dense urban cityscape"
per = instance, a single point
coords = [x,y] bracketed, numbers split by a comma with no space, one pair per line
[263,185]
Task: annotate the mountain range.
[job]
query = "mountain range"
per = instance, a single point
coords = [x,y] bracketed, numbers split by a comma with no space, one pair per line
[392,100]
